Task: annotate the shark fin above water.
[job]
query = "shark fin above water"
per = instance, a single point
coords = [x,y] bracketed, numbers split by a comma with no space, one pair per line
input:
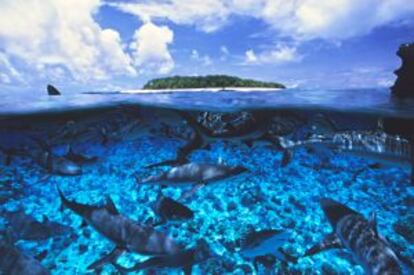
[51,90]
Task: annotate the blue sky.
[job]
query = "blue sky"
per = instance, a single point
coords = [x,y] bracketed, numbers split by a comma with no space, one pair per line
[96,45]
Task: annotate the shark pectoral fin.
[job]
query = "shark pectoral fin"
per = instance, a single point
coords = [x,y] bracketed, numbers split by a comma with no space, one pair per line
[111,257]
[110,206]
[188,269]
[331,241]
[287,157]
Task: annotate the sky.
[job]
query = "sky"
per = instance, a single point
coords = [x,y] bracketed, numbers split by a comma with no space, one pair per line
[97,45]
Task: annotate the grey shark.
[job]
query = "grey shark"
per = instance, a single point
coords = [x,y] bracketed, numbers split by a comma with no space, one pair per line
[126,234]
[21,226]
[242,126]
[194,173]
[263,242]
[13,261]
[265,246]
[375,145]
[59,165]
[351,231]
[168,209]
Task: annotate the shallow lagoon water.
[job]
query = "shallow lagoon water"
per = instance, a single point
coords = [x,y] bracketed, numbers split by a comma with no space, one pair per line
[145,129]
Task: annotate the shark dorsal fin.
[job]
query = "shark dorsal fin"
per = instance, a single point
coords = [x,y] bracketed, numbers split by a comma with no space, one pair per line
[373,221]
[110,206]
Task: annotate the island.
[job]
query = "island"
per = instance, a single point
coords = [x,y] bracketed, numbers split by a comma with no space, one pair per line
[209,81]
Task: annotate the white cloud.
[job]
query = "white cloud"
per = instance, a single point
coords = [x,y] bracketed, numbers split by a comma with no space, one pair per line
[8,73]
[206,15]
[224,50]
[50,33]
[150,48]
[251,57]
[280,54]
[301,19]
[205,60]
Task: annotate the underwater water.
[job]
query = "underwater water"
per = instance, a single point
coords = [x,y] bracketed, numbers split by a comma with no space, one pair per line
[256,163]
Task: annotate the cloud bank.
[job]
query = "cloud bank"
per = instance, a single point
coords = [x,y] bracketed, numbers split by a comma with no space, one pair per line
[300,19]
[62,40]
[43,34]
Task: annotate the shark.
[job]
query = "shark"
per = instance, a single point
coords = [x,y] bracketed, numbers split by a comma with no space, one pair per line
[14,261]
[194,174]
[359,236]
[126,234]
[378,146]
[59,165]
[245,127]
[184,259]
[21,226]
[264,245]
[168,209]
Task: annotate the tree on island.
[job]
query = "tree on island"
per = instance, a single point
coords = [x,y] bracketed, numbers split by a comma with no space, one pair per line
[209,81]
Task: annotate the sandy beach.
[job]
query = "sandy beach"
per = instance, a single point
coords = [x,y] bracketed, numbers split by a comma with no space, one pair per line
[228,89]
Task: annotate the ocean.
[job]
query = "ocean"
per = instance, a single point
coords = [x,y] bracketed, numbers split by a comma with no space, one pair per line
[206,171]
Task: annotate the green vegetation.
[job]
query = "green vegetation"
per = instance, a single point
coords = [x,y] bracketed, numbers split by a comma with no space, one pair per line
[210,81]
